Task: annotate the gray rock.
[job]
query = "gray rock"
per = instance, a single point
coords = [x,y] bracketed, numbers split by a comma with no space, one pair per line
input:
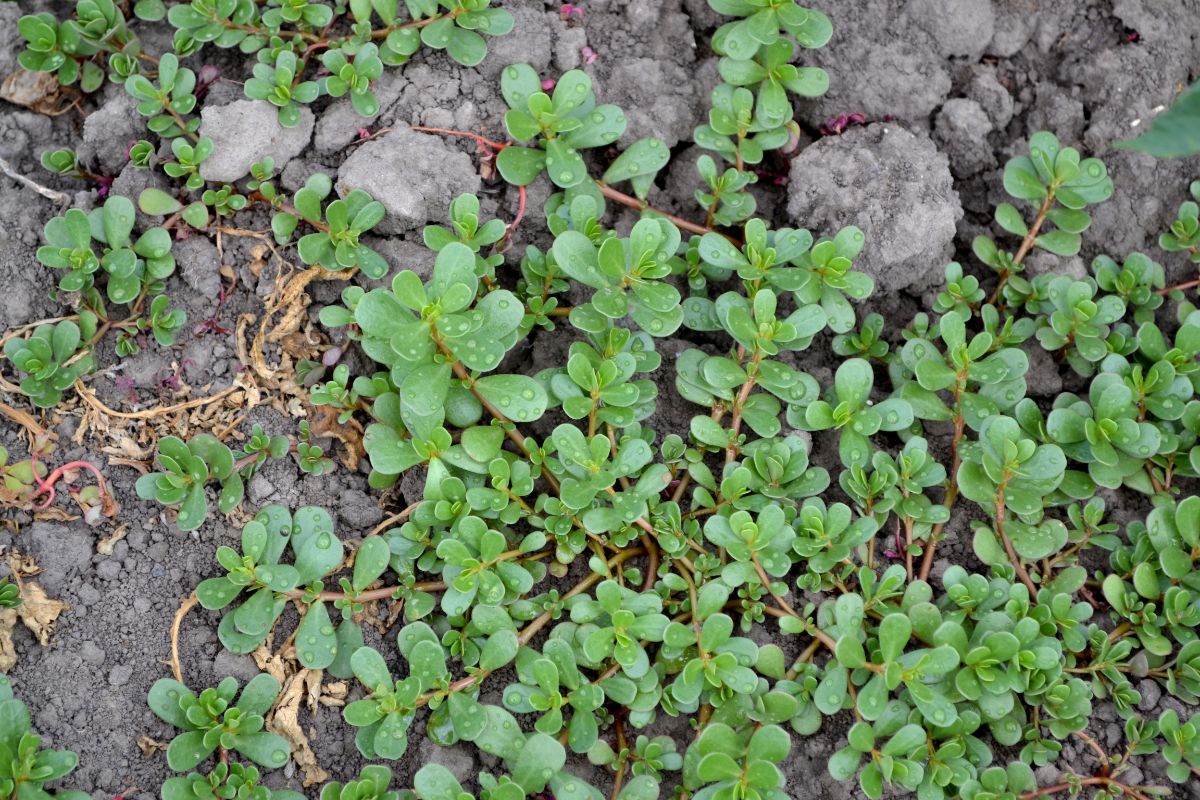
[247,131]
[107,132]
[21,300]
[986,90]
[120,675]
[60,550]
[1058,111]
[965,30]
[1044,379]
[358,510]
[299,170]
[1040,262]
[199,264]
[109,570]
[415,176]
[90,653]
[9,14]
[457,758]
[961,128]
[340,122]
[881,63]
[409,254]
[1013,27]
[568,48]
[529,43]
[891,183]
[1151,694]
[658,97]
[241,667]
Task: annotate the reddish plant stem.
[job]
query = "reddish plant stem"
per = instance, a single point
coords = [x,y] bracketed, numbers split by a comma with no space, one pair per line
[641,205]
[951,489]
[736,420]
[1008,548]
[1026,244]
[372,595]
[46,486]
[492,147]
[482,141]
[1179,286]
[1095,780]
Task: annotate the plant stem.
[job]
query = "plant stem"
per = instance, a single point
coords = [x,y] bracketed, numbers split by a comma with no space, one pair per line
[1013,558]
[1179,287]
[736,419]
[369,596]
[1026,244]
[510,427]
[46,486]
[951,495]
[641,205]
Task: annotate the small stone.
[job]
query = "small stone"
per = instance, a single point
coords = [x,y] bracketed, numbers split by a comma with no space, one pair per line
[961,129]
[109,570]
[991,95]
[241,667]
[415,175]
[965,31]
[1151,694]
[358,510]
[891,183]
[142,605]
[90,653]
[260,488]
[199,265]
[120,674]
[108,131]
[245,132]
[530,42]
[88,595]
[20,299]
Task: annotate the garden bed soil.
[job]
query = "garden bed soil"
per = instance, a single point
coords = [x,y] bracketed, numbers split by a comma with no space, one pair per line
[948,92]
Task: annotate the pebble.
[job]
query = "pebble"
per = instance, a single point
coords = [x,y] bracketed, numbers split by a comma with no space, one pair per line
[90,653]
[120,674]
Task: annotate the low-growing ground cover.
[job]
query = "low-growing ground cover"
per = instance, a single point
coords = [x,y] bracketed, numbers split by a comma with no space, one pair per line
[535,451]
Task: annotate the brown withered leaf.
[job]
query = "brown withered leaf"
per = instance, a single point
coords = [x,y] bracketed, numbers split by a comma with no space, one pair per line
[54,514]
[271,663]
[105,547]
[285,721]
[334,694]
[8,653]
[150,746]
[22,566]
[37,91]
[39,612]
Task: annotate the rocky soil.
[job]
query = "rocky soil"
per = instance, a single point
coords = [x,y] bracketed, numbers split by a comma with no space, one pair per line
[947,96]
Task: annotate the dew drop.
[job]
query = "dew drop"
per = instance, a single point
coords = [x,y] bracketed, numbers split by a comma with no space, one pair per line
[324,541]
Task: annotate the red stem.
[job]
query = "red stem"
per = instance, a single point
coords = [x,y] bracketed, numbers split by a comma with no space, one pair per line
[46,486]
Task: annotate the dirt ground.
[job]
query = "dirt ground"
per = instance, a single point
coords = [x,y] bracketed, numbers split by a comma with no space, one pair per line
[949,89]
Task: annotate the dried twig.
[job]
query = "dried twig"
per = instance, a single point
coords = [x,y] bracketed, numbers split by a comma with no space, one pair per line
[62,198]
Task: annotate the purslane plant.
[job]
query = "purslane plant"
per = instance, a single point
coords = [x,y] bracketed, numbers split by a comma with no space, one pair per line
[626,572]
[26,766]
[936,671]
